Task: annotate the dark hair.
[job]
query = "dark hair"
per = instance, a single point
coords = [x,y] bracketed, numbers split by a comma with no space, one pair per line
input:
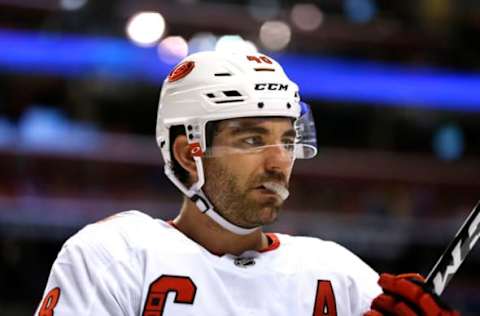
[178,170]
[178,130]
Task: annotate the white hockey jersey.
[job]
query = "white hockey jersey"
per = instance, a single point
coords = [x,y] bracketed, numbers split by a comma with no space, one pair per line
[132,264]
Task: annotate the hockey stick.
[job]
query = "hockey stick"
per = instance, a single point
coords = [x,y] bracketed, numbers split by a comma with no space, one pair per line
[455,253]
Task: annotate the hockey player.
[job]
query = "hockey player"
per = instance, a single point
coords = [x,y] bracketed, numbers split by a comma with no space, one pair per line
[229,128]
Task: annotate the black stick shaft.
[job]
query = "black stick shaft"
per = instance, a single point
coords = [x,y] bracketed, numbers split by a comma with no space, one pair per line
[456,252]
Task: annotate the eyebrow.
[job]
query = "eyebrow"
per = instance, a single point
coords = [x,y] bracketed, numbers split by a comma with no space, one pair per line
[291,132]
[247,129]
[257,130]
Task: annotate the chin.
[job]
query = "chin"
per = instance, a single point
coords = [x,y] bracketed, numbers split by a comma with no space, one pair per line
[269,215]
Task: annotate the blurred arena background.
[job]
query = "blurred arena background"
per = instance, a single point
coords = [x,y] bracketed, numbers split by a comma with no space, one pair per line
[394,85]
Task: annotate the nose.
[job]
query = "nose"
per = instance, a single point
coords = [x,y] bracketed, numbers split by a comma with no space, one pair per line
[278,158]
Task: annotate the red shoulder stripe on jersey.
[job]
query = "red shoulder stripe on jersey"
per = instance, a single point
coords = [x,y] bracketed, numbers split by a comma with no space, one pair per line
[273,242]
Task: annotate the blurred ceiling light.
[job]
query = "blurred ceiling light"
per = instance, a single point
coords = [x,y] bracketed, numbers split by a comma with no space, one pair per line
[360,11]
[72,5]
[8,132]
[234,43]
[306,16]
[146,28]
[275,35]
[202,42]
[172,49]
[448,142]
[263,9]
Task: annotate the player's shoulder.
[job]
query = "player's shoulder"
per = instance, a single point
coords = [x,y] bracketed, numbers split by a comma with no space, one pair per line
[312,245]
[330,260]
[120,224]
[124,221]
[116,236]
[316,252]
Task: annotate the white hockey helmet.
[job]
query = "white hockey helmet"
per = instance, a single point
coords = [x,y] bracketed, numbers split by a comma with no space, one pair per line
[212,86]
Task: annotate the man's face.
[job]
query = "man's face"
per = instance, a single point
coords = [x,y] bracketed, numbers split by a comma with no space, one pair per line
[240,173]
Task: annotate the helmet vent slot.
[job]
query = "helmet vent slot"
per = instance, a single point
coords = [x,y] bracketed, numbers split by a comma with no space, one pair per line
[232,93]
[222,74]
[225,96]
[264,69]
[229,101]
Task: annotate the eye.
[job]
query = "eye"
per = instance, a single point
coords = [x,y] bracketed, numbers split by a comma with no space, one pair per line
[254,141]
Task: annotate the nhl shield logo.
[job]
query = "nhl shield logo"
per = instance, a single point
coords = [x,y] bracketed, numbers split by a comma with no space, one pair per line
[244,262]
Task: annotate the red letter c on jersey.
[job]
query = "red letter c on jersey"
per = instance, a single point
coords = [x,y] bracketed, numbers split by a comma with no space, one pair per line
[182,286]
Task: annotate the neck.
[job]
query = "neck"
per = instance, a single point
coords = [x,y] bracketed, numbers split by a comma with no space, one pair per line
[216,239]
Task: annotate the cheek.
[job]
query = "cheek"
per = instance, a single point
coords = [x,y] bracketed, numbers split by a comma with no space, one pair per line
[242,168]
[247,167]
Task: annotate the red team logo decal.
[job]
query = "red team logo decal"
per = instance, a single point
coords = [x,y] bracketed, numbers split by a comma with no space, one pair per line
[196,150]
[181,71]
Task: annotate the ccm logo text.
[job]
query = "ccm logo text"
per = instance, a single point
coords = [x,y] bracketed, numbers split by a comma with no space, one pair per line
[271,86]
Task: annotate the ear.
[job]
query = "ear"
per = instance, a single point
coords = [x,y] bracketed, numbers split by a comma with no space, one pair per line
[182,153]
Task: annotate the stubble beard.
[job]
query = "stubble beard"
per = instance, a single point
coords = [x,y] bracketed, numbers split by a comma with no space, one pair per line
[235,203]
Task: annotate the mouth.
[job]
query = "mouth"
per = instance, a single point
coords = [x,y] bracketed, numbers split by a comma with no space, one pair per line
[275,189]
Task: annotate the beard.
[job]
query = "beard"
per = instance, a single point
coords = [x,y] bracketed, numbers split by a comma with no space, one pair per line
[238,203]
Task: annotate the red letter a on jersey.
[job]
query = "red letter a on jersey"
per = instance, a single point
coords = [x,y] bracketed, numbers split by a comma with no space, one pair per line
[325,300]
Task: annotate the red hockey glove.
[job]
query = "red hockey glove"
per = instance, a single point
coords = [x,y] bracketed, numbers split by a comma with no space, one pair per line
[406,295]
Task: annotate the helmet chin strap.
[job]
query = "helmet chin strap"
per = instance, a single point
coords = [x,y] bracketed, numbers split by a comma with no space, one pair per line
[196,194]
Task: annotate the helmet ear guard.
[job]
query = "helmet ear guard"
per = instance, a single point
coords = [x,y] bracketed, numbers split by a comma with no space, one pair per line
[213,86]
